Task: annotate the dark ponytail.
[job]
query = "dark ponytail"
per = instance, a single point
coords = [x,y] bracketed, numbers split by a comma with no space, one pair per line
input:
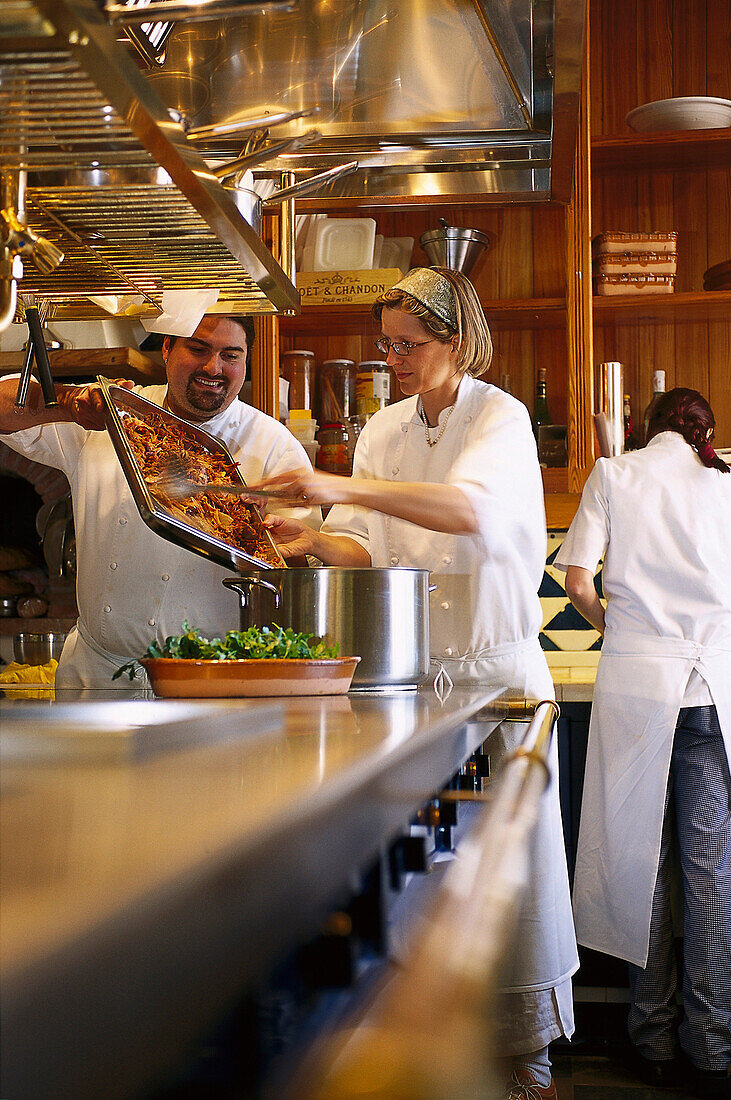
[688,413]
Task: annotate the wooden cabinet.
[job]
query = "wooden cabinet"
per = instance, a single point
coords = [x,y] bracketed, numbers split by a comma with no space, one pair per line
[535,280]
[645,50]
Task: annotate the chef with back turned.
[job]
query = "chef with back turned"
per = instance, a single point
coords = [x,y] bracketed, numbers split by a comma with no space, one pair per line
[656,810]
[132,585]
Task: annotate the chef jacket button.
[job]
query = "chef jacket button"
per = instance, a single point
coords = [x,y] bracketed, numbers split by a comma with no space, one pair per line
[394,560]
[150,622]
[448,651]
[123,521]
[394,469]
[112,565]
[404,427]
[445,605]
[447,559]
[107,609]
[468,420]
[166,576]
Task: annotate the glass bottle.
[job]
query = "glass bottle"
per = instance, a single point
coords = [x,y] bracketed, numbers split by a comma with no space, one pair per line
[658,388]
[541,415]
[630,442]
[505,383]
[334,454]
[297,367]
[372,386]
[336,386]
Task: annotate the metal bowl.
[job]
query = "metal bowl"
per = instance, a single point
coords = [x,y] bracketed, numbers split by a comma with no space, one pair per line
[37,649]
[454,247]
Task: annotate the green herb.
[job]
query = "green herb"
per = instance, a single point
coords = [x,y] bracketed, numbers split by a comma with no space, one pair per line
[255,643]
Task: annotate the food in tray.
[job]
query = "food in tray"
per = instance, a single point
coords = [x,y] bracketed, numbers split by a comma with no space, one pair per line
[154,439]
[256,643]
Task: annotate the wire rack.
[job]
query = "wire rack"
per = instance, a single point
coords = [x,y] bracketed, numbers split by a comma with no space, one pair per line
[111,179]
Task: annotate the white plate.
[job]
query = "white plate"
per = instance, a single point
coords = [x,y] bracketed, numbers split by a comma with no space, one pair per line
[693,112]
[344,244]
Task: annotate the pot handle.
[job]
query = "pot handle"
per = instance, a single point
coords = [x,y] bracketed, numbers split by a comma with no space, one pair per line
[304,187]
[432,587]
[244,585]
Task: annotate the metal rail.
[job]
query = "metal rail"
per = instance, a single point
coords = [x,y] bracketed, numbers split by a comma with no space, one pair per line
[428,1034]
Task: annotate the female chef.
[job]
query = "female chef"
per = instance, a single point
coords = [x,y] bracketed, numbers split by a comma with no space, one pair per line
[657,773]
[448,480]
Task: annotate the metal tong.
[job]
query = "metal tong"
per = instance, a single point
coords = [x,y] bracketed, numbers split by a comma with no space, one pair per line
[36,348]
[176,484]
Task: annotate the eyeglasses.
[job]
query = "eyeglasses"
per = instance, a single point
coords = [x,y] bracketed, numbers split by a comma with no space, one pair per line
[400,347]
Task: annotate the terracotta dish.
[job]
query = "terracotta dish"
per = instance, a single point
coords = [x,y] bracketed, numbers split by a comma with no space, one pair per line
[178,678]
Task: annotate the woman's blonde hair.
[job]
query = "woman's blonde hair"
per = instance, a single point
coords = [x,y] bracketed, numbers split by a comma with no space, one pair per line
[474,347]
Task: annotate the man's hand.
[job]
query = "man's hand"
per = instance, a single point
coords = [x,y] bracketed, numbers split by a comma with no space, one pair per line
[84,405]
[292,538]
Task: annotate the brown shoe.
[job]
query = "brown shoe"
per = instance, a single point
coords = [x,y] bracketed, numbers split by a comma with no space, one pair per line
[525,1087]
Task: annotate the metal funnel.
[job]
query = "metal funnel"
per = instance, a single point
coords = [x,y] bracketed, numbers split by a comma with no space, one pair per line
[454,247]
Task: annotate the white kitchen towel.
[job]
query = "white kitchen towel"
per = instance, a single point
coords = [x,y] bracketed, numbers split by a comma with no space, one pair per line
[182,311]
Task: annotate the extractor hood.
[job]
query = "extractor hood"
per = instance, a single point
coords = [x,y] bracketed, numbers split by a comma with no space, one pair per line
[118,162]
[452,99]
[95,166]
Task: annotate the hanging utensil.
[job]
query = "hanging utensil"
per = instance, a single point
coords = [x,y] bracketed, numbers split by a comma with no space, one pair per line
[25,375]
[35,331]
[246,125]
[260,156]
[249,204]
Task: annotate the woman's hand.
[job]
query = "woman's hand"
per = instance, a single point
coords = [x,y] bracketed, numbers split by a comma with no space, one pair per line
[292,538]
[309,486]
[84,405]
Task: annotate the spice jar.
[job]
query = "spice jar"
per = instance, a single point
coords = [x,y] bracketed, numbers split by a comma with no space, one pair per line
[372,386]
[334,454]
[336,379]
[297,367]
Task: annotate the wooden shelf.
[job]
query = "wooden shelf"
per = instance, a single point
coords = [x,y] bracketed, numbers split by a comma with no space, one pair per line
[83,362]
[502,314]
[686,307]
[49,624]
[671,150]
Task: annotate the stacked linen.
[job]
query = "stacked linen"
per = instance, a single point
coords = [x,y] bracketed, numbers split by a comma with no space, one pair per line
[634,263]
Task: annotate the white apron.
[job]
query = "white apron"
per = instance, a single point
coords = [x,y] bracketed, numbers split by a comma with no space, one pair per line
[545,947]
[484,610]
[639,691]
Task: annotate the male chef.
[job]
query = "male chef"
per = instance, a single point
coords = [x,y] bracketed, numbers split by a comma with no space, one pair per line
[132,585]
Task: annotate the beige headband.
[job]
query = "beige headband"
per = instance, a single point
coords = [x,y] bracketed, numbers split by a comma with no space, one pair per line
[433,291]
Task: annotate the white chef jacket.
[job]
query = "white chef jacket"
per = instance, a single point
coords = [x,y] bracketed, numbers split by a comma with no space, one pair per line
[662,520]
[484,612]
[132,585]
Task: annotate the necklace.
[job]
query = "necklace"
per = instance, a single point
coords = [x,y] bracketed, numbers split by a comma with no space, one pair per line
[427,431]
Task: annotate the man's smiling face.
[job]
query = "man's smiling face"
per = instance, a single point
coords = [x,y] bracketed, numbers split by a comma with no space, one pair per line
[205,371]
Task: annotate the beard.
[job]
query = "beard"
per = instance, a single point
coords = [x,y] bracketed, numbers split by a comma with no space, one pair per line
[204,401]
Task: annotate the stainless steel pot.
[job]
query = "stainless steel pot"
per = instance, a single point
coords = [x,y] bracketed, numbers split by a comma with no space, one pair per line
[382,615]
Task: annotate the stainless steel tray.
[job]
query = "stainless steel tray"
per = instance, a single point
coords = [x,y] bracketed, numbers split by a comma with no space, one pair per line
[120,403]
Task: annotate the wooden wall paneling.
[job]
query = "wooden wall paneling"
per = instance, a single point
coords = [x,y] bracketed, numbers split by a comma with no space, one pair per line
[718,212]
[549,252]
[596,61]
[579,321]
[689,47]
[654,52]
[551,353]
[514,354]
[516,254]
[719,380]
[619,63]
[718,51]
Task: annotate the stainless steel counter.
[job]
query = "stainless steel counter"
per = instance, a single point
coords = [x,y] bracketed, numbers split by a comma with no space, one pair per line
[142,890]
